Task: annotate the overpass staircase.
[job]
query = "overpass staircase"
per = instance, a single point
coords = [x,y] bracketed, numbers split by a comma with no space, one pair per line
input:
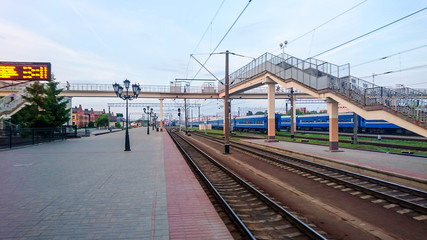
[8,107]
[403,106]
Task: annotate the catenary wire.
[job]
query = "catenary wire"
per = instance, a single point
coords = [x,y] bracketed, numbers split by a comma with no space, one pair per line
[222,39]
[330,20]
[323,24]
[391,55]
[368,33]
[203,36]
[396,71]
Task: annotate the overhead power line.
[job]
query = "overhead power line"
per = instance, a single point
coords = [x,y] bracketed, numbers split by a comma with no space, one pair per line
[323,24]
[209,25]
[222,39]
[394,54]
[203,36]
[330,20]
[396,71]
[368,33]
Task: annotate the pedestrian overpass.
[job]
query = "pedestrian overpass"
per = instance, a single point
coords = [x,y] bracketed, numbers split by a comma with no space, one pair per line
[404,107]
[174,91]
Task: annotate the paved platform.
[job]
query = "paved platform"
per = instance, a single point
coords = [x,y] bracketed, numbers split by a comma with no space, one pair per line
[405,165]
[89,188]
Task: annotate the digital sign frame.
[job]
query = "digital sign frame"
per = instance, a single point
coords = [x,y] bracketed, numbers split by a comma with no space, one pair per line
[27,71]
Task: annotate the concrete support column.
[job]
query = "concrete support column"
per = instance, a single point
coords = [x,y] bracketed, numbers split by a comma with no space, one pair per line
[271,110]
[293,114]
[70,108]
[333,125]
[161,114]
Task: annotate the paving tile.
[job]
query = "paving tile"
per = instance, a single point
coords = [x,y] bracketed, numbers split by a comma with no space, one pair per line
[85,188]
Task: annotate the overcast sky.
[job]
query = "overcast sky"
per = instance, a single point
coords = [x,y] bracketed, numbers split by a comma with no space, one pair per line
[150,42]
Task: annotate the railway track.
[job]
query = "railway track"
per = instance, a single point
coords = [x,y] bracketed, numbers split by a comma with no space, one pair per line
[403,147]
[387,193]
[373,136]
[257,216]
[395,146]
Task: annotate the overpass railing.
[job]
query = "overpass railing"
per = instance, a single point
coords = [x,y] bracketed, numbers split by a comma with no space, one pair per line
[144,88]
[321,75]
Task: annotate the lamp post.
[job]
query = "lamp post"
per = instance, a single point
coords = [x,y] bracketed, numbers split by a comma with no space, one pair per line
[148,111]
[282,46]
[119,91]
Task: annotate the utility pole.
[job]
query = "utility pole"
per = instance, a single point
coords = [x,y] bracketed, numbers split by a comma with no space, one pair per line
[191,116]
[354,129]
[199,117]
[185,112]
[292,114]
[226,108]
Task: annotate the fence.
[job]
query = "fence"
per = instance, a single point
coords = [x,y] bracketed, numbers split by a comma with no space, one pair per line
[11,136]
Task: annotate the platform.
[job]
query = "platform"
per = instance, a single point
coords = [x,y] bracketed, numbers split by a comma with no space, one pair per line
[89,188]
[378,164]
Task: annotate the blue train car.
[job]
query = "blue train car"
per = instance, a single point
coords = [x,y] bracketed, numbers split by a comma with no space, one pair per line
[254,122]
[216,124]
[194,124]
[285,122]
[381,126]
[320,122]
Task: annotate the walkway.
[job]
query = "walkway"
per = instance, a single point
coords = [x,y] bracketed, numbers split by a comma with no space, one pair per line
[89,188]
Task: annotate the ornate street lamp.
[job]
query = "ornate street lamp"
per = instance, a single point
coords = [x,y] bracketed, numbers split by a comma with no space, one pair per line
[148,111]
[119,91]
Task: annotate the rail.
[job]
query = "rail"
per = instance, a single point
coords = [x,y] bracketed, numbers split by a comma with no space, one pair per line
[301,226]
[403,197]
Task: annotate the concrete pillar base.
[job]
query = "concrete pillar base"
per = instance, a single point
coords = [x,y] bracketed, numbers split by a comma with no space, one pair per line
[333,147]
[271,139]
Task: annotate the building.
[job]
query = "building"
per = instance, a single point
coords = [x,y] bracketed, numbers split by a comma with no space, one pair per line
[81,118]
[115,119]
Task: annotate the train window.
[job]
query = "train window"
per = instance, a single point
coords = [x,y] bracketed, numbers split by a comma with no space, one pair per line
[318,120]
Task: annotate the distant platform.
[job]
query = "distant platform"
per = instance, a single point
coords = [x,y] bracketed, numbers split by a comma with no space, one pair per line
[402,169]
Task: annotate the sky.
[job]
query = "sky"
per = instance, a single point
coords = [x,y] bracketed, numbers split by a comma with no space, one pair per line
[150,42]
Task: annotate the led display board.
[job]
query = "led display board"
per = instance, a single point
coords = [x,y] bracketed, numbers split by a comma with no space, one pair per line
[31,71]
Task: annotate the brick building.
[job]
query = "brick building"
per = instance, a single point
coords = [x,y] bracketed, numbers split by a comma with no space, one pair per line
[81,117]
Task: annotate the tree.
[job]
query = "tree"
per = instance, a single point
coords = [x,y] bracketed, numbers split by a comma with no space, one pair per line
[30,116]
[261,113]
[45,108]
[55,107]
[91,124]
[119,114]
[102,120]
[250,113]
[118,125]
